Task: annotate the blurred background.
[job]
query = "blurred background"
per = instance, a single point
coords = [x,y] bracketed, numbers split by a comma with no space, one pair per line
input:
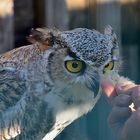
[17,17]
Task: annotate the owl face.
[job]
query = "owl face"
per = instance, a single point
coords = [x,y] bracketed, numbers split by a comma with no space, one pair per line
[83,57]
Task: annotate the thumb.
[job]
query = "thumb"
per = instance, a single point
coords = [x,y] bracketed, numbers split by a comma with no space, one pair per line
[108,90]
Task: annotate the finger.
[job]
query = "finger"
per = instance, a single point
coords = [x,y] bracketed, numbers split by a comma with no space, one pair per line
[132,127]
[117,119]
[119,115]
[108,90]
[136,96]
[125,89]
[123,100]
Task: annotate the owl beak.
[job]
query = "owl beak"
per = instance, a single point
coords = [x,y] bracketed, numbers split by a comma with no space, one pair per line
[94,85]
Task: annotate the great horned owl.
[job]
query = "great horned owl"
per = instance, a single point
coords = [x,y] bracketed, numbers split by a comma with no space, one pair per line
[45,86]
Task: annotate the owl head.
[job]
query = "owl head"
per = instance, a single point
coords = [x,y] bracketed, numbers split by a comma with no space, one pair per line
[80,56]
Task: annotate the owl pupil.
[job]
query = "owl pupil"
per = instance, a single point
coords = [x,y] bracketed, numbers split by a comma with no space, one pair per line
[107,65]
[75,64]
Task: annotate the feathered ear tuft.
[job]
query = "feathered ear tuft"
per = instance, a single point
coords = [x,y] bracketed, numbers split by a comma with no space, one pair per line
[109,31]
[42,36]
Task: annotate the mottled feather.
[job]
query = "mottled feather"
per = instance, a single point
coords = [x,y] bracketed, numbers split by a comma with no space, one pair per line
[39,96]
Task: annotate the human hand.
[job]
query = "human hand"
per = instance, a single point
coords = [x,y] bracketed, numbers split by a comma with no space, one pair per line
[123,122]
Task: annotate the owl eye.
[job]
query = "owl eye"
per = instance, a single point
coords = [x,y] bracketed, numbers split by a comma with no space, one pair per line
[108,67]
[75,66]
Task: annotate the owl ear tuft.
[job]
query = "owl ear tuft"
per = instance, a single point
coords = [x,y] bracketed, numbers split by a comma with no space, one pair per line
[109,31]
[43,37]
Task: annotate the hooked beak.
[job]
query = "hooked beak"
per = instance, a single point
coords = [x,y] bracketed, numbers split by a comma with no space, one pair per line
[94,85]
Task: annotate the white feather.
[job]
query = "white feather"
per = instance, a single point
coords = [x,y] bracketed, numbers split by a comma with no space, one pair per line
[66,114]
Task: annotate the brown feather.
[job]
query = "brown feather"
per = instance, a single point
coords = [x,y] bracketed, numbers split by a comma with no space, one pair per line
[38,36]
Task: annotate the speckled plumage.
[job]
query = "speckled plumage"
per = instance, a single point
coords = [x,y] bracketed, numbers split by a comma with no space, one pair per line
[38,96]
[80,41]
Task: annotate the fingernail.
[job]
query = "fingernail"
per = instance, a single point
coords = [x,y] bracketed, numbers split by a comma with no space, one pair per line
[107,88]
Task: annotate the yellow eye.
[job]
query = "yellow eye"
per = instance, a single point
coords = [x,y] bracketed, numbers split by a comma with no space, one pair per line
[75,66]
[108,67]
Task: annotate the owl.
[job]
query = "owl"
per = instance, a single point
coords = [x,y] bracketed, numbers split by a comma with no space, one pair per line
[47,85]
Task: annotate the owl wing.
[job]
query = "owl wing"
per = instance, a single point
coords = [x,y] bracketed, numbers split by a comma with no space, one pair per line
[12,80]
[12,87]
[13,64]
